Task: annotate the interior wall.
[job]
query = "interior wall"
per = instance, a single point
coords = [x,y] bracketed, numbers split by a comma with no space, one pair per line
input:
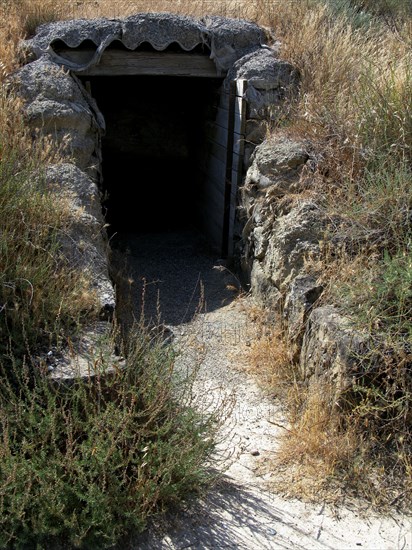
[154,150]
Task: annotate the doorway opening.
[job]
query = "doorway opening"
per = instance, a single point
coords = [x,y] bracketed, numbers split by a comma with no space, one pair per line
[171,161]
[155,151]
[164,188]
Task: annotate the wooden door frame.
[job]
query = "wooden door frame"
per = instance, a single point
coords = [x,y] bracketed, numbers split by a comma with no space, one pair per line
[234,160]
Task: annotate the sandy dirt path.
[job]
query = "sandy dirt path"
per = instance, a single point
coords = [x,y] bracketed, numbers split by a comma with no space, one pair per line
[240,512]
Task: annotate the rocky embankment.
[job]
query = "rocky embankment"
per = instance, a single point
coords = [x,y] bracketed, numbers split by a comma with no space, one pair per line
[284,227]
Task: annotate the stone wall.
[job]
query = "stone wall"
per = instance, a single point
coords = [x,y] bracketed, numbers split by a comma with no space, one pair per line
[283,227]
[57,105]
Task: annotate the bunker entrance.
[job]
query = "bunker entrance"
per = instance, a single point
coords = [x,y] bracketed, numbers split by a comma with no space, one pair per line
[173,92]
[163,168]
[156,154]
[172,152]
[163,189]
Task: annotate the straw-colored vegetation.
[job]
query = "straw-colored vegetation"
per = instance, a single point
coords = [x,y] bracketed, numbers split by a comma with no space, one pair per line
[355,105]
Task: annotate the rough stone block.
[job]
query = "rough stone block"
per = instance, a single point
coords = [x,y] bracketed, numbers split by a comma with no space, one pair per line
[277,165]
[332,350]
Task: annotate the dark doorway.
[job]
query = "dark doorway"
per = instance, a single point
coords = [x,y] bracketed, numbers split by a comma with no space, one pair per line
[154,149]
[164,197]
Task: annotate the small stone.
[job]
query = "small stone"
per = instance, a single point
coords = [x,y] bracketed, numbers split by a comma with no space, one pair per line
[255,452]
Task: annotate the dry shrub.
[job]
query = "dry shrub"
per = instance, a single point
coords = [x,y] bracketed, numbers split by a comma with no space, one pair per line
[356,94]
[315,453]
[313,447]
[269,361]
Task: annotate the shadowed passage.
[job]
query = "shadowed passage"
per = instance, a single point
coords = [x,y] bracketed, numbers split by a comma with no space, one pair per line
[155,150]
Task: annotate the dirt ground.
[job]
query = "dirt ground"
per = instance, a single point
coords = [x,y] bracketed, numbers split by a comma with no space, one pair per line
[175,281]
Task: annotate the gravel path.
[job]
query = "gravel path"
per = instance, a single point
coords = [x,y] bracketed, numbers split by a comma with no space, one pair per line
[178,279]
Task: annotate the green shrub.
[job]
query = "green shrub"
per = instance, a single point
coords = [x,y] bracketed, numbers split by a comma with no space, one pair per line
[380,297]
[385,8]
[377,207]
[351,11]
[87,462]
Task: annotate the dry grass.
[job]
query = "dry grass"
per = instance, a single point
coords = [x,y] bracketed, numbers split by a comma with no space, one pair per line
[315,453]
[269,357]
[328,452]
[354,98]
[31,13]
[312,449]
[327,456]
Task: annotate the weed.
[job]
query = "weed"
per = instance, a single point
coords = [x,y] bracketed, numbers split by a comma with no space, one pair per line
[87,462]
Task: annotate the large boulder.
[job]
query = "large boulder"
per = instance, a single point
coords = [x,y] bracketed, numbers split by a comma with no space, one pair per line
[294,238]
[68,180]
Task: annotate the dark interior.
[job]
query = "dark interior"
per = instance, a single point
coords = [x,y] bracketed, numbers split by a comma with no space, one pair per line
[154,149]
